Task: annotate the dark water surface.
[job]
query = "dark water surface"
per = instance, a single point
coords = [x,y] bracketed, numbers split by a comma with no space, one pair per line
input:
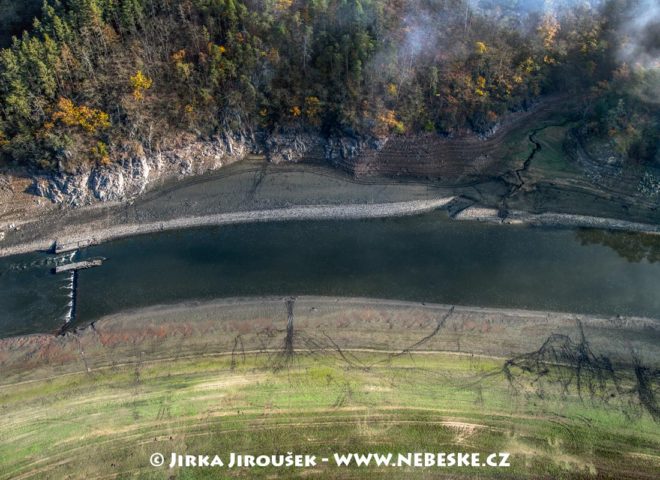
[425,258]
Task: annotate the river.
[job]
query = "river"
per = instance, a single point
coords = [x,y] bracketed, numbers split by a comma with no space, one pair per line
[426,258]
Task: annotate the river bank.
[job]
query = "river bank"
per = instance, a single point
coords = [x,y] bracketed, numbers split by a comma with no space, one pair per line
[254,189]
[82,239]
[261,324]
[557,392]
[79,239]
[565,220]
[522,174]
[85,235]
[311,212]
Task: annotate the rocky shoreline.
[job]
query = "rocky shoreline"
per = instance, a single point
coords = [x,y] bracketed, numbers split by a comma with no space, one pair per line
[516,217]
[311,212]
[132,176]
[69,242]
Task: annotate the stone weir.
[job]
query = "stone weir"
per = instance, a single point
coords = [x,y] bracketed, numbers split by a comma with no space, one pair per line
[70,267]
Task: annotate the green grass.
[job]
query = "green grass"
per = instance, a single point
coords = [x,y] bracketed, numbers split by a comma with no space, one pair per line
[106,423]
[552,158]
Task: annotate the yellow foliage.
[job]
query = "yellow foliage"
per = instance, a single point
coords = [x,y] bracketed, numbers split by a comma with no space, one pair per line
[392,89]
[140,83]
[282,5]
[529,65]
[548,29]
[388,118]
[216,50]
[184,69]
[263,112]
[312,107]
[3,139]
[295,111]
[481,86]
[480,48]
[71,115]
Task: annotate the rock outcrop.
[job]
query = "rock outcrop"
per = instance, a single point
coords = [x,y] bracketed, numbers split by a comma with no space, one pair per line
[292,147]
[131,177]
[343,152]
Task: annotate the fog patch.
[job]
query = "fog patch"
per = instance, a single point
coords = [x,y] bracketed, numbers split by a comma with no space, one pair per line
[640,34]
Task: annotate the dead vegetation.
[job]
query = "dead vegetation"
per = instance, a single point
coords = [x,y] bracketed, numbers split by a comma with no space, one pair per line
[564,367]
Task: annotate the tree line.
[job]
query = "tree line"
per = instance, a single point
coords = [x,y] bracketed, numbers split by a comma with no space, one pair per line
[94,81]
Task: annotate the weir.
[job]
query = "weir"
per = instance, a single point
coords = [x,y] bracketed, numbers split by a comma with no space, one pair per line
[72,286]
[70,316]
[71,246]
[71,267]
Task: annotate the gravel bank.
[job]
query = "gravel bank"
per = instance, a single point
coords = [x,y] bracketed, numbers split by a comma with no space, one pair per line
[516,217]
[314,212]
[93,236]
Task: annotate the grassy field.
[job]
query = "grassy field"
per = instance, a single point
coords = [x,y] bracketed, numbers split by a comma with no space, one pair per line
[266,390]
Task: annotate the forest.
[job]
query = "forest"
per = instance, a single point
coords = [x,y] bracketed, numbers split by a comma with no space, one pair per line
[95,81]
